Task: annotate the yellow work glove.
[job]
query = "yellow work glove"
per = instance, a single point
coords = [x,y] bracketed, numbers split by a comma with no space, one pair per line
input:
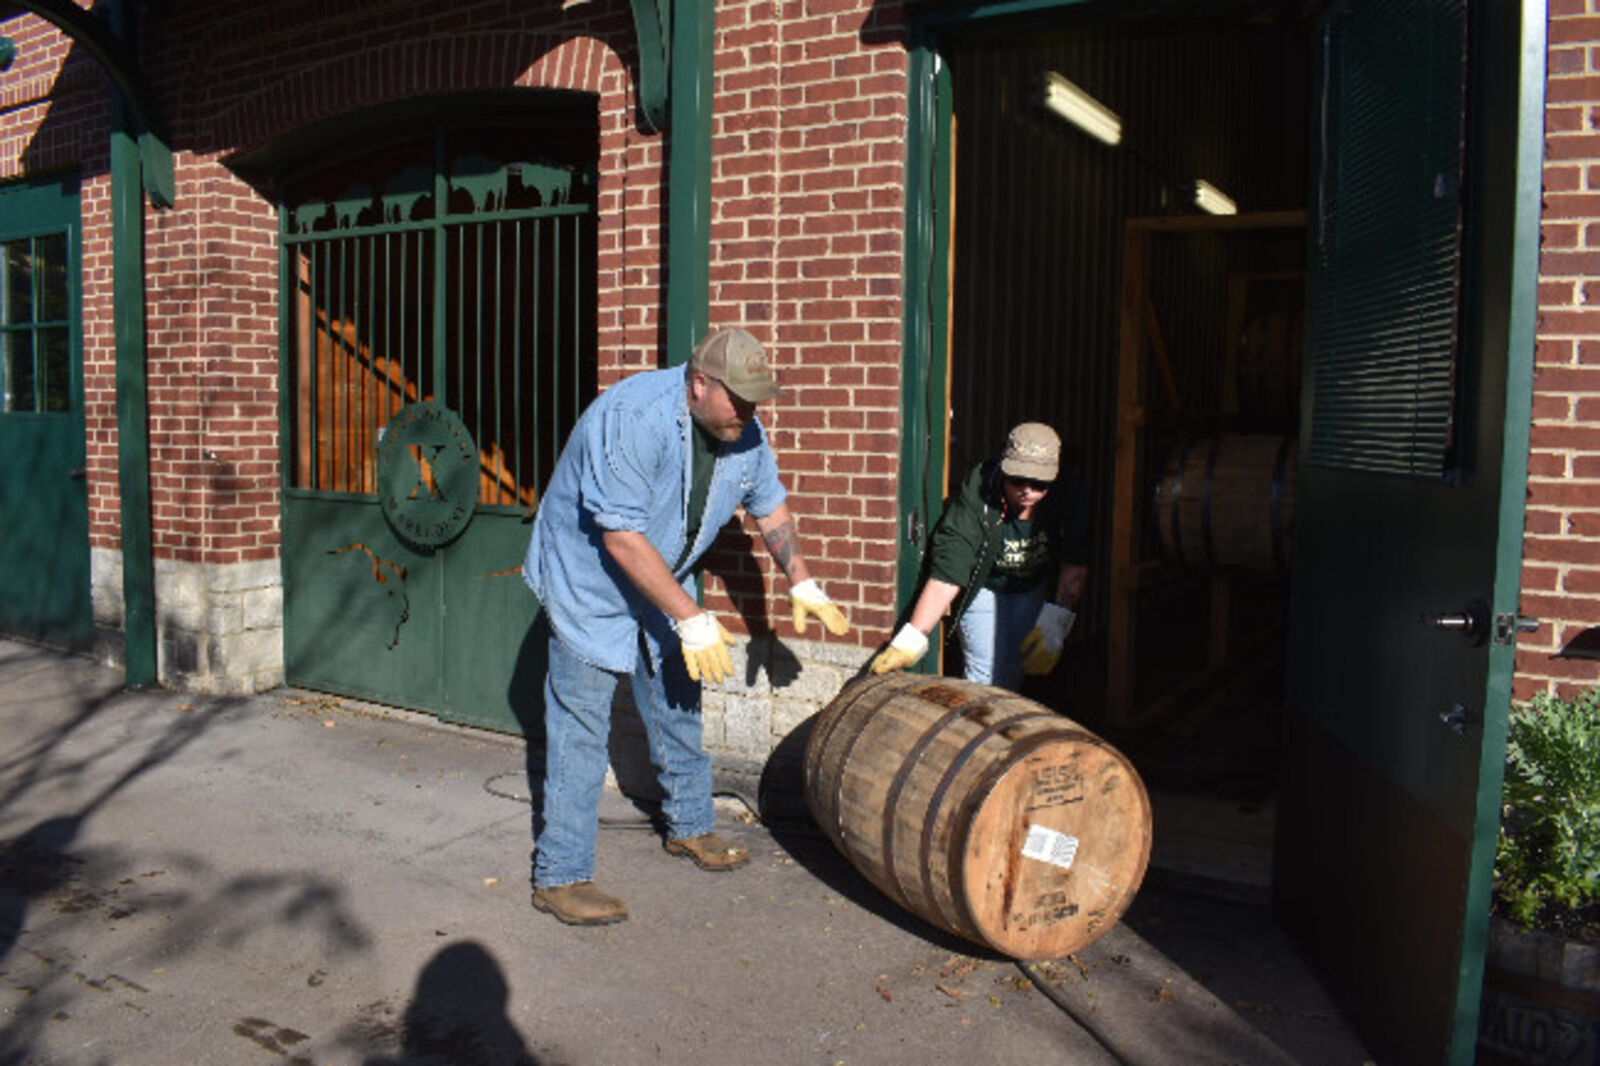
[808,598]
[705,648]
[904,650]
[1041,648]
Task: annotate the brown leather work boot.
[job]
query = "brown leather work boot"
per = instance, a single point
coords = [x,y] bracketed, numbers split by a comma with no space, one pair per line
[580,903]
[709,852]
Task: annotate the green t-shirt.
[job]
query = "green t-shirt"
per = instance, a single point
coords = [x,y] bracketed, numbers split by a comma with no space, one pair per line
[702,461]
[1024,554]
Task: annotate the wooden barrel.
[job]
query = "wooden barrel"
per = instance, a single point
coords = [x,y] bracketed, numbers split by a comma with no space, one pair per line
[1227,503]
[983,813]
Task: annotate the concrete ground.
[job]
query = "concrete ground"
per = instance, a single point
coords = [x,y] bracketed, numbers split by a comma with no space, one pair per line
[294,878]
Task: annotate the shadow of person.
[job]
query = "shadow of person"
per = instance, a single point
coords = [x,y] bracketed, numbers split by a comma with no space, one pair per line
[525,697]
[32,865]
[457,1014]
[732,560]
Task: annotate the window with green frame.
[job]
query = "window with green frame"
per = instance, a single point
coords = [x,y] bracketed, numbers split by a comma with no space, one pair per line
[36,357]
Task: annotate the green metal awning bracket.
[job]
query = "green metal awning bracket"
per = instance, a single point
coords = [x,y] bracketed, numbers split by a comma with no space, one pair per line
[90,31]
[652,23]
[155,170]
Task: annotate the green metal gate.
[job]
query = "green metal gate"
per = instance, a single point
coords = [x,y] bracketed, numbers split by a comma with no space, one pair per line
[439,343]
[44,533]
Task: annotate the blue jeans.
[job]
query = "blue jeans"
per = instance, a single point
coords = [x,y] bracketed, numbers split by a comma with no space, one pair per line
[577,716]
[992,629]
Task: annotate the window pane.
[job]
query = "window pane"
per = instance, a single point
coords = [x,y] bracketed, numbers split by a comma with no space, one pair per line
[50,263]
[57,368]
[16,353]
[18,288]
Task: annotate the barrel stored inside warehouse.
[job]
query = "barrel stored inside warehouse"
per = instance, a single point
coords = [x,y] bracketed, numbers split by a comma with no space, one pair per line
[980,811]
[1227,503]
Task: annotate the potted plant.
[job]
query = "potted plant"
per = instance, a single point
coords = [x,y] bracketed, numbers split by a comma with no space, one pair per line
[1541,999]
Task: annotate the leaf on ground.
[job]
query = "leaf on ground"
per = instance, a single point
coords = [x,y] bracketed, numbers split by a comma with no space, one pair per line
[958,966]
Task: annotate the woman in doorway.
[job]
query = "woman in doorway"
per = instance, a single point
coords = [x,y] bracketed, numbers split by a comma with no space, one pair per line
[1008,553]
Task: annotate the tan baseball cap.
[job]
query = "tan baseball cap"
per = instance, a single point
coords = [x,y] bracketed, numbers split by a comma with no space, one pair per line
[1032,451]
[737,360]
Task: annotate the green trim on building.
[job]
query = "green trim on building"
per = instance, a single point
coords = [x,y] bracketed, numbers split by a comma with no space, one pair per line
[689,178]
[924,318]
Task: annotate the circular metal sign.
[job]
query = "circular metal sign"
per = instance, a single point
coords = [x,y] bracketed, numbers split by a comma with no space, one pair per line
[427,473]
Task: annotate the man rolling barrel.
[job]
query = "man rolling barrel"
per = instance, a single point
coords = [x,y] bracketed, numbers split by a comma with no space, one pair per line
[654,468]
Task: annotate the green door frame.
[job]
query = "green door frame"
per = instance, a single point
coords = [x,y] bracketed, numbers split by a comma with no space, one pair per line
[141,162]
[925,326]
[1510,103]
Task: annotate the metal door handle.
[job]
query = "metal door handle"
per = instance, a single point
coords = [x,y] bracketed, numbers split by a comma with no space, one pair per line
[78,473]
[1472,622]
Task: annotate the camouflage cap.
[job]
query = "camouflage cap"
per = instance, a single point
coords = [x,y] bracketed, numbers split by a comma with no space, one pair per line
[1032,451]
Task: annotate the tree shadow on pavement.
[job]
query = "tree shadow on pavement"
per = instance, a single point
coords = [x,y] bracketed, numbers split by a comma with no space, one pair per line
[36,861]
[76,743]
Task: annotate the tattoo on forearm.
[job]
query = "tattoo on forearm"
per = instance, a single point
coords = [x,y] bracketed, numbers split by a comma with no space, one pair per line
[781,543]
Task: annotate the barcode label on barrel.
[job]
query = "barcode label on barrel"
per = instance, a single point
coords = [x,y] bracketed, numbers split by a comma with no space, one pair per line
[1048,845]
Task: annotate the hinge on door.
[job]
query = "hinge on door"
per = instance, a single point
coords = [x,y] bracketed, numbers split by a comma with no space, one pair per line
[1507,626]
[914,526]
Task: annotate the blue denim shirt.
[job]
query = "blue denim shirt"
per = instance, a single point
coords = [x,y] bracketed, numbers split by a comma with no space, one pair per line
[627,467]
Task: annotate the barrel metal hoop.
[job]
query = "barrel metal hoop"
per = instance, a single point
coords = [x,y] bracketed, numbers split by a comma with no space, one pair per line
[1205,502]
[891,801]
[1176,508]
[962,920]
[819,745]
[974,799]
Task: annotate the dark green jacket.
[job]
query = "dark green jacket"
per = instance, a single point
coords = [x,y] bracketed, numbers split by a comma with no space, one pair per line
[966,540]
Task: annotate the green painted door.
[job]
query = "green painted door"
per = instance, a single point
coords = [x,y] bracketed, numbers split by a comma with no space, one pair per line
[44,502]
[439,343]
[1408,532]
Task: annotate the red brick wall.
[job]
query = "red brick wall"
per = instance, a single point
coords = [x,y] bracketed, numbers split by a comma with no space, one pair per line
[807,229]
[249,73]
[806,240]
[1561,567]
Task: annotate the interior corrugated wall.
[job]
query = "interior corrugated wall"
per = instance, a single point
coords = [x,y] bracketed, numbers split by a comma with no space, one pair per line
[1039,218]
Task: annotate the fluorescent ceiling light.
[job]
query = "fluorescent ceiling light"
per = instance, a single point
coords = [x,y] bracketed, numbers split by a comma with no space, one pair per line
[1081,109]
[1209,198]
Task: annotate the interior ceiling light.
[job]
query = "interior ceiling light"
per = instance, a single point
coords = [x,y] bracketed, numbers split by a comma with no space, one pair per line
[1209,198]
[1081,109]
